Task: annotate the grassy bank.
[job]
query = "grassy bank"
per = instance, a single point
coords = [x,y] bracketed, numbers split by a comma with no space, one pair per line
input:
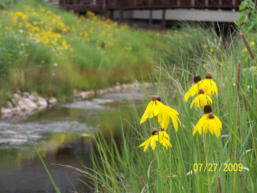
[52,52]
[123,167]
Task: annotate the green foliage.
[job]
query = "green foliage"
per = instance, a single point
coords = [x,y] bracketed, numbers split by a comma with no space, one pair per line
[5,3]
[38,54]
[120,166]
[247,20]
[10,54]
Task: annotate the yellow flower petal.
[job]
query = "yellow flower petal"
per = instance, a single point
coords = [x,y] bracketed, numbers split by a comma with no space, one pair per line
[206,124]
[152,109]
[201,100]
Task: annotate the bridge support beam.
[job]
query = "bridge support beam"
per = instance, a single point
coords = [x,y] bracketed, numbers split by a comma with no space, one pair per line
[151,17]
[181,15]
[163,25]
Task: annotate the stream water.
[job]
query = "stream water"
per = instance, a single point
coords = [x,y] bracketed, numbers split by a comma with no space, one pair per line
[61,135]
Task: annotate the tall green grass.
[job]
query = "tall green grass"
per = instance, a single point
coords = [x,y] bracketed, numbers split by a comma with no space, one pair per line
[120,166]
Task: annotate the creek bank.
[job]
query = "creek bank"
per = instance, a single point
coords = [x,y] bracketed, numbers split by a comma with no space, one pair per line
[23,104]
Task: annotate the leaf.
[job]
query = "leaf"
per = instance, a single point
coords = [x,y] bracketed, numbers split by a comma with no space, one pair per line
[241,20]
[242,7]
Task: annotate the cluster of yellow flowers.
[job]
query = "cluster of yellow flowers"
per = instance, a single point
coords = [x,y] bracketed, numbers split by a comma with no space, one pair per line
[102,31]
[41,25]
[209,122]
[163,113]
[203,89]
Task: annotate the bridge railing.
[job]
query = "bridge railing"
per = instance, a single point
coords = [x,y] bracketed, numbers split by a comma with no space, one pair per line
[170,4]
[148,4]
[77,5]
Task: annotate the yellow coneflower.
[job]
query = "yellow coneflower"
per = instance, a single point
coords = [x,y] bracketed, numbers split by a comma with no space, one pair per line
[208,85]
[157,136]
[152,109]
[201,99]
[166,113]
[193,90]
[208,123]
[163,112]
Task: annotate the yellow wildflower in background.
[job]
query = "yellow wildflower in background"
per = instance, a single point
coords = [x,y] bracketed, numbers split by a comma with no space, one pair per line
[201,100]
[128,48]
[40,25]
[21,15]
[208,123]
[90,13]
[252,43]
[212,50]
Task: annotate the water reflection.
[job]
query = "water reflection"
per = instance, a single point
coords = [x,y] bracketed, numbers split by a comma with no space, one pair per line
[62,136]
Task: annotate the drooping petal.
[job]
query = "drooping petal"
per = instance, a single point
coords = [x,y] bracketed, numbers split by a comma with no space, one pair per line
[192,91]
[175,121]
[199,125]
[167,113]
[153,141]
[201,100]
[152,110]
[150,141]
[148,112]
[164,139]
[218,126]
[146,143]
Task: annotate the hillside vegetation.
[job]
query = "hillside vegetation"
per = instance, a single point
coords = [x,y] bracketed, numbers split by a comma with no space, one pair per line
[52,52]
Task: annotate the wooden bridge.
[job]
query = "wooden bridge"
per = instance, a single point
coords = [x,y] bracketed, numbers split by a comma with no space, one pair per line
[189,10]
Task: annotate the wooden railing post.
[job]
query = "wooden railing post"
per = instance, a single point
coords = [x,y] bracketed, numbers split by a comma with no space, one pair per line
[121,11]
[163,25]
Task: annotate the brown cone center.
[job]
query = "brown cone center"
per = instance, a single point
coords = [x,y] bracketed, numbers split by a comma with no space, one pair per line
[209,76]
[200,91]
[197,79]
[154,131]
[154,98]
[207,109]
[210,116]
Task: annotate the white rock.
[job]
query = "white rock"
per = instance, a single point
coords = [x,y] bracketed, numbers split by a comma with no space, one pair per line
[27,104]
[42,103]
[6,111]
[16,96]
[51,101]
[26,94]
[101,91]
[86,94]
